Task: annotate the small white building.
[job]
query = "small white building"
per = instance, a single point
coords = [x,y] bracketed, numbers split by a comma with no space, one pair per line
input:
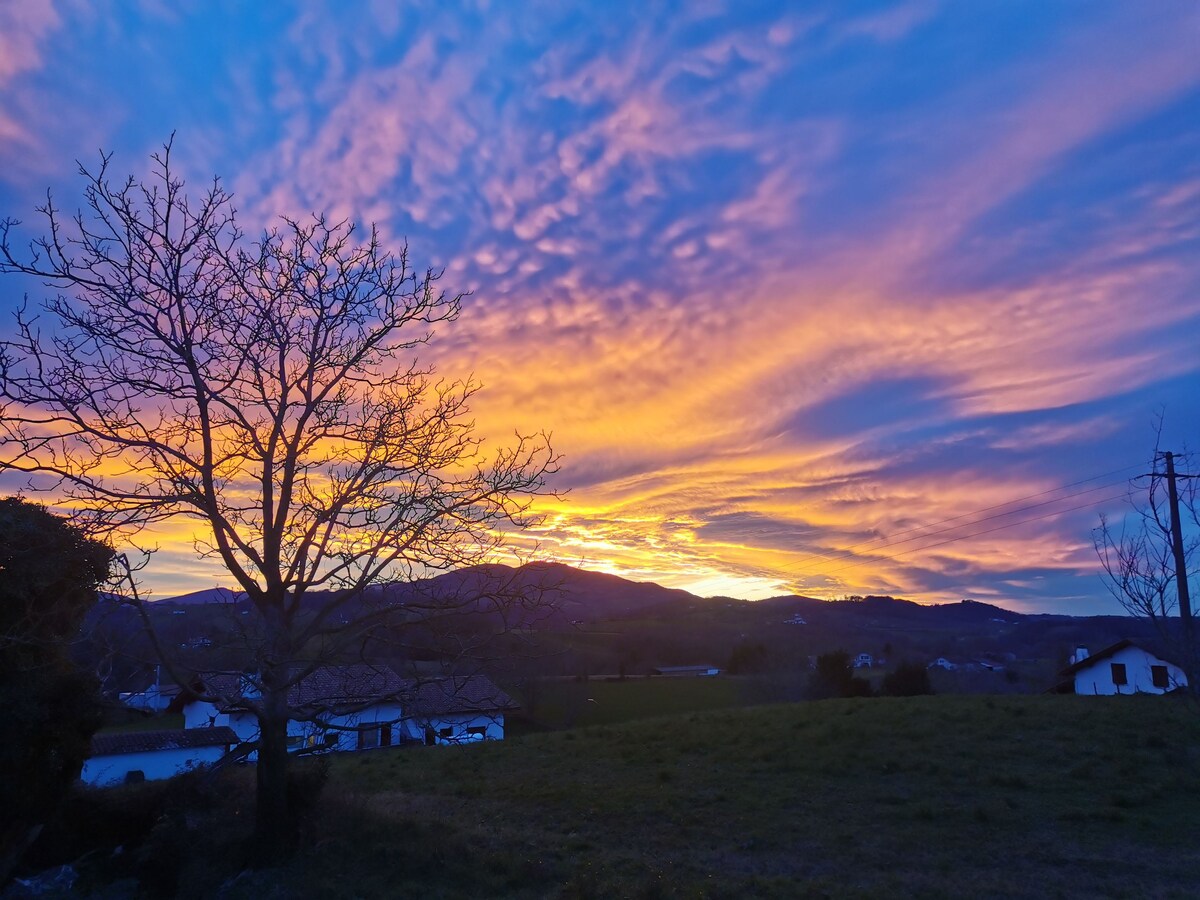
[863,661]
[152,755]
[942,663]
[1123,668]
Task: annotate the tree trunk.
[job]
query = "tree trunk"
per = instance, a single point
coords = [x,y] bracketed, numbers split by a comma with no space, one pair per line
[272,822]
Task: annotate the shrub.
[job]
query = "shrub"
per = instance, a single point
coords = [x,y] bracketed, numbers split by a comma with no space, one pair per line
[834,677]
[910,679]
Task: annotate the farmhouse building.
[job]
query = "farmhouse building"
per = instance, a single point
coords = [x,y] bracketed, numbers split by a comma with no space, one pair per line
[1123,668]
[151,755]
[360,707]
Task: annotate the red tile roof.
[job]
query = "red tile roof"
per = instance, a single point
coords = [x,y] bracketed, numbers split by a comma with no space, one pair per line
[331,687]
[460,693]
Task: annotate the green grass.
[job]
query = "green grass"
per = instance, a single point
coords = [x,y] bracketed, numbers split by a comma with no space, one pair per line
[558,703]
[920,797]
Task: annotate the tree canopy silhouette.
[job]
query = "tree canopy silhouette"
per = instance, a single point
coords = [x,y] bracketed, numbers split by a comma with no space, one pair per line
[49,572]
[266,390]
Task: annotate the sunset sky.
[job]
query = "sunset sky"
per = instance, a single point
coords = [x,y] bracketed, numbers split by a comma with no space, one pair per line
[826,298]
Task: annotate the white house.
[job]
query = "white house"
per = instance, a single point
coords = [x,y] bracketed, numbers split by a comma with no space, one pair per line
[942,663]
[456,710]
[151,755]
[863,661]
[1123,668]
[361,707]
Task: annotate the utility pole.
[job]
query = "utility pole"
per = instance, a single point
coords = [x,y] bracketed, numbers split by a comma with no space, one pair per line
[1181,583]
[1185,600]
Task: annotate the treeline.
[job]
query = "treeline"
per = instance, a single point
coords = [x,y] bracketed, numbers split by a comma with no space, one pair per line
[833,676]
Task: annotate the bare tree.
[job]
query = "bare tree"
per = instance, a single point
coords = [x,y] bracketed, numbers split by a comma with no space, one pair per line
[267,390]
[1143,556]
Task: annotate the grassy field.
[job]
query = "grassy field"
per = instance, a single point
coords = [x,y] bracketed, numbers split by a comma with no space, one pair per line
[1042,796]
[567,703]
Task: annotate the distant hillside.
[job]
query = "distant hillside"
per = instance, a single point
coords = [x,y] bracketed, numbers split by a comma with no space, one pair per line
[552,594]
[584,595]
[576,593]
[884,608]
[212,595]
[594,623]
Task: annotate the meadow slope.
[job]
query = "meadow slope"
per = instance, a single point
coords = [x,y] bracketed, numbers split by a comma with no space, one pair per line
[931,796]
[1016,796]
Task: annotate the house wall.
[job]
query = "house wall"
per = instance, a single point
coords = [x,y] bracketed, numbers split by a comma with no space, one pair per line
[155,764]
[342,736]
[1097,678]
[459,725]
[152,698]
[203,715]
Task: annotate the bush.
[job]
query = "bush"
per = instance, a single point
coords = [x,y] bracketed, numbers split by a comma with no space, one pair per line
[910,679]
[747,657]
[834,677]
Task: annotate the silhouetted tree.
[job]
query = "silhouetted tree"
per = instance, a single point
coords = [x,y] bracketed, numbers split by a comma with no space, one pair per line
[909,679]
[834,677]
[267,392]
[747,657]
[49,572]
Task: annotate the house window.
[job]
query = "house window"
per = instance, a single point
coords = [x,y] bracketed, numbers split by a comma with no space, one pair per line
[478,730]
[1159,677]
[368,738]
[1118,674]
[446,732]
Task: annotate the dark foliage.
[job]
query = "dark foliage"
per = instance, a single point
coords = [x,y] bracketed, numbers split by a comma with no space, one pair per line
[49,571]
[834,677]
[748,657]
[910,679]
[163,835]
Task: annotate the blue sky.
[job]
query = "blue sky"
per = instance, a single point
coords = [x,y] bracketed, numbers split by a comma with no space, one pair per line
[785,281]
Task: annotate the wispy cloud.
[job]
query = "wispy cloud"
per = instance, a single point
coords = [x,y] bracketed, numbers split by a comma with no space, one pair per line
[779,283]
[23,30]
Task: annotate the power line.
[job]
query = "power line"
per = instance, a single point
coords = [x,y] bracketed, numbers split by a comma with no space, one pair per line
[889,540]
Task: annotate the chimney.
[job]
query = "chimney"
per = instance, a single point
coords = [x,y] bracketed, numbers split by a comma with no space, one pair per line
[1080,654]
